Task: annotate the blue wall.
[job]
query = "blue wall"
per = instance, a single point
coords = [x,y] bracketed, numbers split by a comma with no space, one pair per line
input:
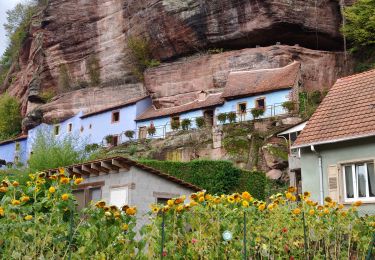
[277,97]
[8,151]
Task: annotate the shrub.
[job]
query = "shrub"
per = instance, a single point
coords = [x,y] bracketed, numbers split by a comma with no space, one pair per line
[51,152]
[109,139]
[175,125]
[214,176]
[129,134]
[222,118]
[257,112]
[200,122]
[47,95]
[151,130]
[232,116]
[289,105]
[93,68]
[141,54]
[185,124]
[10,117]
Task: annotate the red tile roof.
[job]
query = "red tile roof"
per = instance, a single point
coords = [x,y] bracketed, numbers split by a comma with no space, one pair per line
[127,103]
[211,100]
[347,112]
[91,167]
[18,138]
[248,83]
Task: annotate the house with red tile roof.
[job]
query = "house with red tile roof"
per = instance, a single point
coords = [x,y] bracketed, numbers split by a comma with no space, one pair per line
[264,89]
[337,146]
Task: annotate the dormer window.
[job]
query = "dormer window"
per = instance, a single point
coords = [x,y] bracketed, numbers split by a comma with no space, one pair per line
[115,116]
[56,129]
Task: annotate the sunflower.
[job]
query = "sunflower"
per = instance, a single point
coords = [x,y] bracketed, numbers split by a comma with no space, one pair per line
[28,217]
[340,206]
[131,211]
[311,212]
[245,203]
[16,202]
[15,183]
[113,208]
[293,198]
[307,194]
[61,170]
[65,196]
[125,227]
[100,204]
[124,208]
[328,199]
[231,199]
[193,196]
[2,212]
[170,203]
[52,189]
[53,177]
[154,209]
[117,214]
[64,180]
[180,208]
[320,207]
[357,203]
[296,211]
[106,208]
[78,181]
[326,211]
[246,196]
[108,214]
[288,195]
[271,206]
[3,189]
[292,189]
[201,199]
[25,198]
[179,200]
[262,206]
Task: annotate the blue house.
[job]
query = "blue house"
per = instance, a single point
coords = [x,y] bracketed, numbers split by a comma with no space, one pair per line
[13,151]
[94,127]
[265,89]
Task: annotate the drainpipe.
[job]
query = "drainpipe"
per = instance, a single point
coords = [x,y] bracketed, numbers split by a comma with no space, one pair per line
[320,174]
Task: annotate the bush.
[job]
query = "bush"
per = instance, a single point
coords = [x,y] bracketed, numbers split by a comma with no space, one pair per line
[289,105]
[257,112]
[175,125]
[109,139]
[232,116]
[222,118]
[200,122]
[213,176]
[10,117]
[47,95]
[185,124]
[151,130]
[129,134]
[50,152]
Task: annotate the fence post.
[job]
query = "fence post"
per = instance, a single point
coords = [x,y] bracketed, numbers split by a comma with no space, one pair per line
[162,235]
[304,234]
[244,236]
[372,244]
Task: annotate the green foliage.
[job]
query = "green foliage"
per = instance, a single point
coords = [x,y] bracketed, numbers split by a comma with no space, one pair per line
[93,70]
[185,124]
[254,182]
[214,176]
[222,118]
[236,142]
[200,122]
[309,102]
[215,51]
[141,53]
[151,130]
[175,125]
[47,95]
[257,112]
[51,152]
[232,117]
[289,105]
[108,139]
[10,117]
[129,134]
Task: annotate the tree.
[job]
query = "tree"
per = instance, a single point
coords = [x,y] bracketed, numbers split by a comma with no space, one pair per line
[10,114]
[360,23]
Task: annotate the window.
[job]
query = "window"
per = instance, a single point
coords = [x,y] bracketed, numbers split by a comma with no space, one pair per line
[260,103]
[359,181]
[175,120]
[115,117]
[87,194]
[70,127]
[82,129]
[90,126]
[119,196]
[242,108]
[56,129]
[162,201]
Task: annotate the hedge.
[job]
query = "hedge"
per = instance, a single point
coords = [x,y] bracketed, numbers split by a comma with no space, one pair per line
[214,176]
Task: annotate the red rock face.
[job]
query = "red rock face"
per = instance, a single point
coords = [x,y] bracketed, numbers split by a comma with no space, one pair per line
[70,32]
[179,82]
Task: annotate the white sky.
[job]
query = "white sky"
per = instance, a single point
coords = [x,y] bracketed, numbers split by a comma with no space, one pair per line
[4,6]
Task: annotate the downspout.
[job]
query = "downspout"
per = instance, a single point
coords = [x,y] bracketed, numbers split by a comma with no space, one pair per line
[320,174]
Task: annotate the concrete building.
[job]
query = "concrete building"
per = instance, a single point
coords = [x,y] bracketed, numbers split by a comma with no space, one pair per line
[265,89]
[120,181]
[337,146]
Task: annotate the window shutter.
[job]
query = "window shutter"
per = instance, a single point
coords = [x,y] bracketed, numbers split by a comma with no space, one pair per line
[333,182]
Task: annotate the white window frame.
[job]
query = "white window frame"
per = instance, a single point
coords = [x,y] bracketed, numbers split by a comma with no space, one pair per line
[125,188]
[355,183]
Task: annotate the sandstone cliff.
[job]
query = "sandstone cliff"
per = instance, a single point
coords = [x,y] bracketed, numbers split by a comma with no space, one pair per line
[68,35]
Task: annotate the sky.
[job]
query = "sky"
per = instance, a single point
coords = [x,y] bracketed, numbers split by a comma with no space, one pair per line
[4,6]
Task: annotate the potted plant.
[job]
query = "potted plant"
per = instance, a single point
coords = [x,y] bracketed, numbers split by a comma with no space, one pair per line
[129,134]
[175,125]
[109,139]
[151,130]
[257,112]
[222,118]
[185,124]
[289,105]
[200,122]
[232,117]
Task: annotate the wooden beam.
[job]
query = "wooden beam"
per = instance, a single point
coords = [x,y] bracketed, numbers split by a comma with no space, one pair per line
[109,166]
[99,168]
[87,168]
[120,164]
